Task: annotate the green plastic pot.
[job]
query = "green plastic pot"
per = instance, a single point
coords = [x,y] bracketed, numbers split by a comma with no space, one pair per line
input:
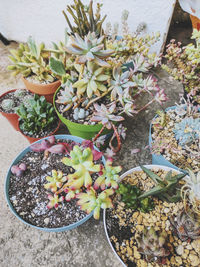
[77,129]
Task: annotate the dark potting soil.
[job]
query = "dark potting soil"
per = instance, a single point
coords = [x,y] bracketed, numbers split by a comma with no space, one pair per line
[29,197]
[17,101]
[43,132]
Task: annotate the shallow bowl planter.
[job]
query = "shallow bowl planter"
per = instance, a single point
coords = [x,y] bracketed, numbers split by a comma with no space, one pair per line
[34,139]
[46,90]
[159,159]
[112,225]
[11,117]
[7,183]
[77,129]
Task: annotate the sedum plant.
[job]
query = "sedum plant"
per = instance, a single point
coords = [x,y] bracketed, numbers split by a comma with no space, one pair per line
[167,188]
[186,64]
[153,245]
[186,225]
[31,59]
[84,19]
[36,116]
[55,181]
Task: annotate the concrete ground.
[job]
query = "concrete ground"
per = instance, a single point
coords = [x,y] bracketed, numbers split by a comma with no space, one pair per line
[85,246]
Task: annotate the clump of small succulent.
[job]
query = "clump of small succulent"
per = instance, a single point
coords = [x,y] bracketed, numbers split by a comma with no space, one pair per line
[18,170]
[36,117]
[84,19]
[55,181]
[191,191]
[80,113]
[31,59]
[185,64]
[82,162]
[7,104]
[130,196]
[166,189]
[186,225]
[153,245]
[109,176]
[54,201]
[187,130]
[90,201]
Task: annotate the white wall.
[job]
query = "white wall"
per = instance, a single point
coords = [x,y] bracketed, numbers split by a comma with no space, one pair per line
[43,19]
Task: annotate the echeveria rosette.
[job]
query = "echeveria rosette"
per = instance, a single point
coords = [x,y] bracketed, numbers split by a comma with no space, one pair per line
[187,130]
[55,181]
[92,80]
[54,201]
[82,161]
[90,201]
[109,177]
[89,49]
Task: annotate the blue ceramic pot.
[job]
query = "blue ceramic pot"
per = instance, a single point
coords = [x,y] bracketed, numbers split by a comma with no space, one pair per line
[159,159]
[7,182]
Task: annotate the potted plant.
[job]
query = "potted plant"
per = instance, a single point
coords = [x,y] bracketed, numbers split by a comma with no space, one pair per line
[100,83]
[149,225]
[9,101]
[185,65]
[37,118]
[174,137]
[32,62]
[54,173]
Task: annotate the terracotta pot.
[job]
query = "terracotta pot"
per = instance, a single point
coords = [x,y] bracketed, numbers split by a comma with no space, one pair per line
[11,117]
[33,139]
[195,22]
[47,90]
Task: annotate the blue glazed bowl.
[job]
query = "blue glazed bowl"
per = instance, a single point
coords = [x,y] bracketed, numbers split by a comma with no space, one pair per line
[7,182]
[159,159]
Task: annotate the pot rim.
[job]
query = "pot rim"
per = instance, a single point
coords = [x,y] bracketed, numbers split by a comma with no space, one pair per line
[150,166]
[7,180]
[40,84]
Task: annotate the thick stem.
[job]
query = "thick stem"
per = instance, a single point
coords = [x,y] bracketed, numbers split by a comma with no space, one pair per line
[97,98]
[118,139]
[99,133]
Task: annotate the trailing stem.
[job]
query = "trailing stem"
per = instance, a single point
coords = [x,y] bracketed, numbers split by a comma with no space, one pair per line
[118,140]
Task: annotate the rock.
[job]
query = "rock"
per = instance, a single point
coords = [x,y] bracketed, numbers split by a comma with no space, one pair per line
[137,255]
[189,247]
[46,220]
[178,260]
[139,219]
[194,260]
[129,251]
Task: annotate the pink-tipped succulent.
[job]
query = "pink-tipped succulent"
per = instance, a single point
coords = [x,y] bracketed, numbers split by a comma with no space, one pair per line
[18,170]
[54,201]
[55,181]
[106,116]
[90,201]
[82,161]
[109,177]
[96,154]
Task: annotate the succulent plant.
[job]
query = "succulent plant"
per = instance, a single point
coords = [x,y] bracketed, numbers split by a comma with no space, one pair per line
[166,188]
[90,48]
[38,116]
[80,113]
[92,81]
[84,18]
[186,225]
[191,191]
[7,104]
[106,116]
[30,59]
[55,181]
[90,201]
[82,161]
[129,195]
[54,201]
[187,130]
[18,170]
[153,245]
[109,176]
[20,93]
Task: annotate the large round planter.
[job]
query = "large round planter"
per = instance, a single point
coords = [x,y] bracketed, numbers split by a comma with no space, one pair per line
[159,159]
[46,90]
[165,168]
[34,139]
[77,129]
[11,117]
[7,182]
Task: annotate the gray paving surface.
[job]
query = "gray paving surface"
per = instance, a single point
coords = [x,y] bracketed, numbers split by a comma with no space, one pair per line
[86,246]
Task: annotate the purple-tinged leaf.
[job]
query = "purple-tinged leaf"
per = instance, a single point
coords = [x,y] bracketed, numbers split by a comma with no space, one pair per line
[135,150]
